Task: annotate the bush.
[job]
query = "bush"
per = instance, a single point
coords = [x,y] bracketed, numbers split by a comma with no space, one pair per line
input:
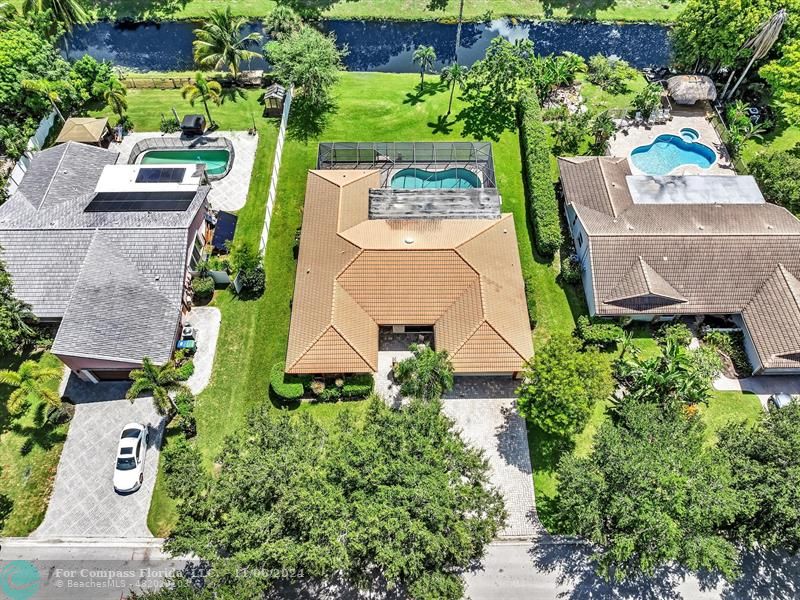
[126,122]
[253,281]
[731,344]
[203,287]
[776,173]
[184,400]
[598,333]
[170,125]
[611,74]
[358,386]
[675,332]
[284,390]
[185,370]
[543,204]
[183,469]
[530,298]
[570,269]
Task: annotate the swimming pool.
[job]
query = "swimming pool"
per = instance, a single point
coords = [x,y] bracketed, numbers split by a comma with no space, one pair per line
[216,161]
[668,152]
[414,179]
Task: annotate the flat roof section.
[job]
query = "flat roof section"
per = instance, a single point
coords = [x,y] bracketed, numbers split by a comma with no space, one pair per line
[694,189]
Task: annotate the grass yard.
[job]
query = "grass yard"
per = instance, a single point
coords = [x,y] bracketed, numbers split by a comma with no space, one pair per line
[474,10]
[29,455]
[778,139]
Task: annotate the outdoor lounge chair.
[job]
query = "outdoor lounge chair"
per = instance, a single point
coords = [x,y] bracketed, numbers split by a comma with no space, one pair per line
[638,119]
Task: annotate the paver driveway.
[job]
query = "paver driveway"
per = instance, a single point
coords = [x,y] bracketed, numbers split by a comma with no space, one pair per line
[84,502]
[485,412]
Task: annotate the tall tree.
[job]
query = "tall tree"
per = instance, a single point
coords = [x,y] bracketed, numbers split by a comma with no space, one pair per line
[776,173]
[219,42]
[161,381]
[47,89]
[783,76]
[394,495]
[426,374]
[452,76]
[766,461]
[67,13]
[282,22]
[650,493]
[425,57]
[204,90]
[561,385]
[34,383]
[16,318]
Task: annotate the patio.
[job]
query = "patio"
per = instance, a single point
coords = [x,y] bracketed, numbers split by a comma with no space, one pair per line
[693,117]
[228,193]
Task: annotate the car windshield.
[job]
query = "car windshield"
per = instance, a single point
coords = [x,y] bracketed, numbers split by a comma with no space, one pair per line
[130,433]
[126,464]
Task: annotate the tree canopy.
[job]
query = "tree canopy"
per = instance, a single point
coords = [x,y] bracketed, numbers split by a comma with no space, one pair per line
[396,495]
[16,318]
[561,385]
[783,76]
[426,374]
[220,42]
[651,492]
[776,173]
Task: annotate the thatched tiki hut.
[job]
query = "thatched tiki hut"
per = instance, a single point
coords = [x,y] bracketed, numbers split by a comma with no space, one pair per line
[688,89]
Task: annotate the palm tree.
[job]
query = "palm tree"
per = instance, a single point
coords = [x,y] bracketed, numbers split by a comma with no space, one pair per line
[65,12]
[760,44]
[454,75]
[203,90]
[219,42]
[282,22]
[34,383]
[425,57]
[46,89]
[115,95]
[426,375]
[161,381]
[603,128]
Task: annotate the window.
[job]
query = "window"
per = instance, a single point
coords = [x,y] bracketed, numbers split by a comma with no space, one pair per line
[579,240]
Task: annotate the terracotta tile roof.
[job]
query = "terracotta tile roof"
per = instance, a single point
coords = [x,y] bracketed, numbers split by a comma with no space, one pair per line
[354,274]
[692,259]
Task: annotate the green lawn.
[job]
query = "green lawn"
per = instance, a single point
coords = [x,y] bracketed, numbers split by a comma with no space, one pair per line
[781,138]
[474,10]
[26,473]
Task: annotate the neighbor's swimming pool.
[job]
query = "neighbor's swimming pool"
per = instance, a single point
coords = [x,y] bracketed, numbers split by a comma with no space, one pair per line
[668,152]
[216,161]
[414,179]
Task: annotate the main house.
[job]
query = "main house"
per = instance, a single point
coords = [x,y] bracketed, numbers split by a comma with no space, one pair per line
[103,249]
[656,247]
[408,237]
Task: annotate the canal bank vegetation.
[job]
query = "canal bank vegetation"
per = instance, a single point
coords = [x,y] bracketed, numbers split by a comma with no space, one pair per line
[404,10]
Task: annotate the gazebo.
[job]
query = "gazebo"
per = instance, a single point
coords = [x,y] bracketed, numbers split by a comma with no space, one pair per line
[688,89]
[86,130]
[274,97]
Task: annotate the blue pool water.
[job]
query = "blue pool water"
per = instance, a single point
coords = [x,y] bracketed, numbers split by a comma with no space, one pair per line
[414,179]
[668,152]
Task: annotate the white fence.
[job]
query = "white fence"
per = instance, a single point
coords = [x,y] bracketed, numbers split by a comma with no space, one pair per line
[35,143]
[276,168]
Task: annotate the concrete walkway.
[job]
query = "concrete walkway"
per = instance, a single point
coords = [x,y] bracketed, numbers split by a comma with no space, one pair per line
[206,319]
[83,502]
[761,385]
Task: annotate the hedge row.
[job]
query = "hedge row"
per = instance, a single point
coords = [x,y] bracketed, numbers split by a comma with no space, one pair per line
[599,333]
[543,204]
[283,389]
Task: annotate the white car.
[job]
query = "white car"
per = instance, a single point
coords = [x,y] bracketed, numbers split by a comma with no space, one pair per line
[780,400]
[129,468]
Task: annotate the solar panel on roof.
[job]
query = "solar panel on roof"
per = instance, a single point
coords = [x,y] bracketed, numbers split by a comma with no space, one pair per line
[160,175]
[140,201]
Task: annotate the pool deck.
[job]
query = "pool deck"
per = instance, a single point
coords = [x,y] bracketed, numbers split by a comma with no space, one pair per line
[694,117]
[228,193]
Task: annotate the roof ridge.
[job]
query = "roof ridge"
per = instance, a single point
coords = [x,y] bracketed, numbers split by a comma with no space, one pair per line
[491,223]
[604,179]
[500,335]
[53,175]
[483,311]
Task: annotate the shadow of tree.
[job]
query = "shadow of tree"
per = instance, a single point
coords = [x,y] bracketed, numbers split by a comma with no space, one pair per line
[41,436]
[442,126]
[766,574]
[137,10]
[6,506]
[483,120]
[512,440]
[308,119]
[429,88]
[577,9]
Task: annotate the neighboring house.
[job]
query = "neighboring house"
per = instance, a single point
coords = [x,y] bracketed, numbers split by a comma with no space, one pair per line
[659,247]
[103,250]
[438,260]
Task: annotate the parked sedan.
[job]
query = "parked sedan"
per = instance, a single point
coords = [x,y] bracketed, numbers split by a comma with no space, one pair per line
[129,468]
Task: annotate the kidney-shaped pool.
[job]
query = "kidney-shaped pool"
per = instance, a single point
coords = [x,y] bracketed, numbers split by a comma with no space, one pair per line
[668,152]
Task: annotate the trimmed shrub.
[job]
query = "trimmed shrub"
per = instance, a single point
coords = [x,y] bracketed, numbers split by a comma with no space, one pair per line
[253,280]
[543,204]
[675,332]
[530,297]
[570,269]
[183,469]
[170,125]
[284,390]
[358,386]
[598,333]
[185,370]
[203,287]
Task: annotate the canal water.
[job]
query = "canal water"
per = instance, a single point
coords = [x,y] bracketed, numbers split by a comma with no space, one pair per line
[381,45]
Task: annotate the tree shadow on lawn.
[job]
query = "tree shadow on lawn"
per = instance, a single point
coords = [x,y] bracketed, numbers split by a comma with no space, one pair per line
[308,119]
[137,11]
[545,451]
[429,88]
[442,126]
[41,434]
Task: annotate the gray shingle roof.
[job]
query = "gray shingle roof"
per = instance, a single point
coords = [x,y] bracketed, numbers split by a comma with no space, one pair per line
[692,259]
[115,278]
